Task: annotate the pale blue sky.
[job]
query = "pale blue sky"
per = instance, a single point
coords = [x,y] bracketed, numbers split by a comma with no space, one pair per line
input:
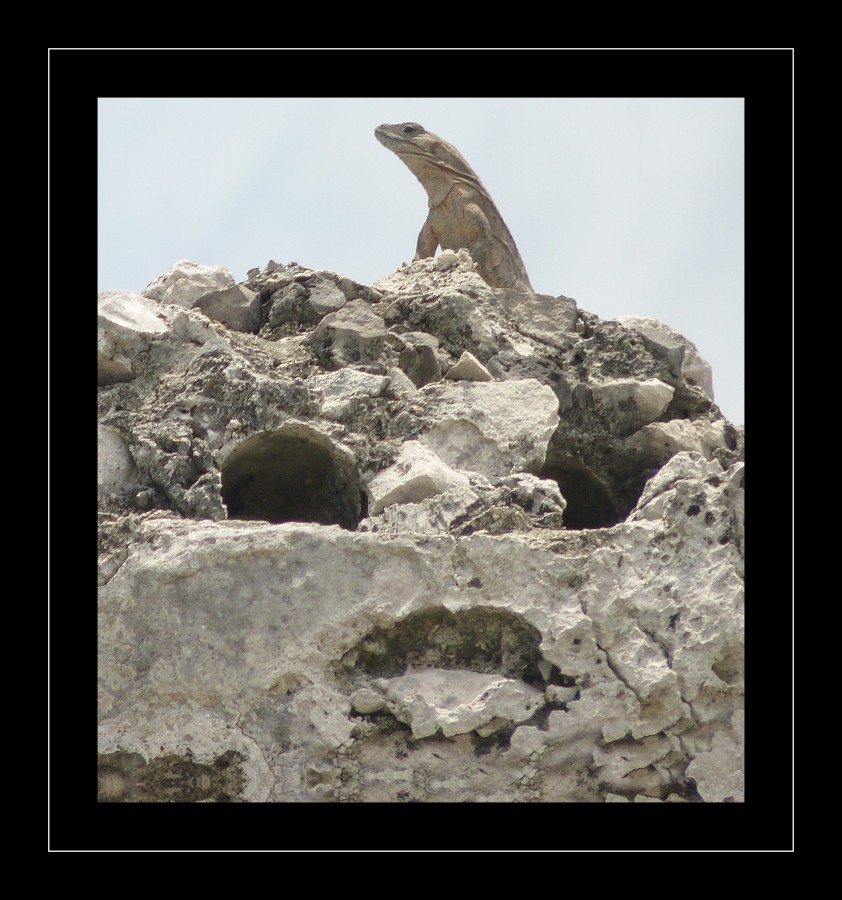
[630,206]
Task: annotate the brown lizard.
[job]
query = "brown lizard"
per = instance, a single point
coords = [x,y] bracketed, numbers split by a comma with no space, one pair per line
[462,213]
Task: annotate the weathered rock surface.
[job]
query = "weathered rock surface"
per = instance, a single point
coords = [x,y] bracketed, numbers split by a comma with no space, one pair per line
[210,289]
[128,323]
[333,570]
[684,358]
[450,702]
[469,368]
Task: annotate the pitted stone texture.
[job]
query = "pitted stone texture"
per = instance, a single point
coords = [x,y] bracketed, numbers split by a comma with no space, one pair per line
[685,360]
[264,643]
[657,442]
[238,622]
[352,336]
[633,403]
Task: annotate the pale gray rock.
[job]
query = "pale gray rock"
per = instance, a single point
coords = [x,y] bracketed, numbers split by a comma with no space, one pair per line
[368,700]
[236,307]
[448,268]
[659,441]
[127,325]
[299,298]
[193,328]
[340,391]
[538,495]
[661,489]
[718,772]
[543,317]
[644,645]
[326,298]
[212,290]
[353,336]
[469,368]
[457,305]
[186,282]
[116,471]
[632,403]
[418,473]
[400,383]
[452,701]
[320,582]
[493,428]
[454,259]
[436,514]
[682,355]
[294,298]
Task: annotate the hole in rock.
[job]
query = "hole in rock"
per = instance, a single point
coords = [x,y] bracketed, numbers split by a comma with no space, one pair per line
[482,639]
[588,502]
[294,474]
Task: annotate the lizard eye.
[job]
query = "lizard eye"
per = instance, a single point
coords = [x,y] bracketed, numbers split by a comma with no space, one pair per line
[411,128]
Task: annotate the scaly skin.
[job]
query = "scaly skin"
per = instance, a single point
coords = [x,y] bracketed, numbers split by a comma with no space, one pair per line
[462,213]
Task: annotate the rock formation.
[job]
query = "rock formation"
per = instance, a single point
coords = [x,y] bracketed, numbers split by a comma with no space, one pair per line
[424,540]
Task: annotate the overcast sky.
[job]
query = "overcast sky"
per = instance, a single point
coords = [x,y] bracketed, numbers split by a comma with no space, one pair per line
[629,206]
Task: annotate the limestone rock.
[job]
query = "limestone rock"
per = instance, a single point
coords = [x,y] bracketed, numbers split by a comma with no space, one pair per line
[116,470]
[449,309]
[298,298]
[341,390]
[539,495]
[493,428]
[682,355]
[659,441]
[452,267]
[437,514]
[417,474]
[633,403]
[127,325]
[329,573]
[542,316]
[354,335]
[458,702]
[420,357]
[212,290]
[469,368]
[718,772]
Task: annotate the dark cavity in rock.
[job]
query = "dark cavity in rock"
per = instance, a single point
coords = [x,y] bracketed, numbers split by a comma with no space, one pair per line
[294,474]
[588,502]
[482,639]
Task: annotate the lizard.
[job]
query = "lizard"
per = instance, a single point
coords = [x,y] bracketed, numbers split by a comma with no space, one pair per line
[461,211]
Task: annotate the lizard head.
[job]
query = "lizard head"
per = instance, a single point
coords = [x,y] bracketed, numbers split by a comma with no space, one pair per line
[435,163]
[395,137]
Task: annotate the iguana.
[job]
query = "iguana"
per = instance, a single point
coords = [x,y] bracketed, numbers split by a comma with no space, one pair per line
[462,213]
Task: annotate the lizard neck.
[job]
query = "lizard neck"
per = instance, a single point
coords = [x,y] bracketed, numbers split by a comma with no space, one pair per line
[437,176]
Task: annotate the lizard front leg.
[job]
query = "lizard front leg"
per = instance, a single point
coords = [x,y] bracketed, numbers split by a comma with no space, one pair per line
[427,242]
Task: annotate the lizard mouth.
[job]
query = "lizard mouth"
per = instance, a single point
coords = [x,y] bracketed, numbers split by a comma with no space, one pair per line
[388,140]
